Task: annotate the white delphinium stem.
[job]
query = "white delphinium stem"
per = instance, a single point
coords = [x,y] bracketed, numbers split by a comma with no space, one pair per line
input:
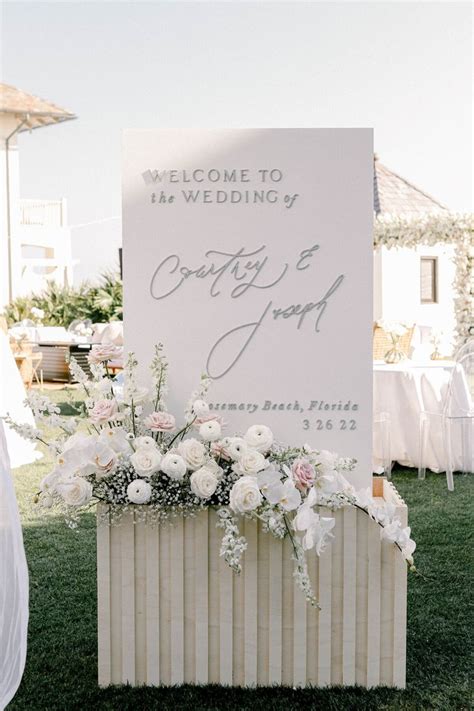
[233,544]
[198,394]
[159,372]
[300,572]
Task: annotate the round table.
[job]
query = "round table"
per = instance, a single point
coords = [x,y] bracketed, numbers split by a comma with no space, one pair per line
[403,391]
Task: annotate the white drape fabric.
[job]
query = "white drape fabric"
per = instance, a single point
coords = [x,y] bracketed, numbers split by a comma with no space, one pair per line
[13,585]
[404,391]
[12,395]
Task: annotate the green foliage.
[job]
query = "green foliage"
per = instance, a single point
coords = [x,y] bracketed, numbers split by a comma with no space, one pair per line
[62,304]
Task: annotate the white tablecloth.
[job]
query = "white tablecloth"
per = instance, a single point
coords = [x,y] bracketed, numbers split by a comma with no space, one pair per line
[13,585]
[12,396]
[403,391]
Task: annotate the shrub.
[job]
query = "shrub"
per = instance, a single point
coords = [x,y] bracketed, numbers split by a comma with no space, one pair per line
[63,304]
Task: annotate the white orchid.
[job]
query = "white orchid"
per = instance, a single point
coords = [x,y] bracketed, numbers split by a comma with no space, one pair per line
[267,479]
[116,439]
[285,495]
[364,498]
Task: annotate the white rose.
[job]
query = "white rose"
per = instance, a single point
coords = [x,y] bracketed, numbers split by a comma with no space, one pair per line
[139,491]
[210,431]
[143,442]
[260,437]
[173,465]
[235,447]
[203,482]
[146,460]
[213,466]
[104,460]
[200,408]
[193,453]
[250,463]
[76,491]
[245,495]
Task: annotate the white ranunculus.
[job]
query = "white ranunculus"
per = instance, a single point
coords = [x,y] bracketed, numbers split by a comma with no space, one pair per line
[245,495]
[146,460]
[203,482]
[250,463]
[75,492]
[145,441]
[173,465]
[210,430]
[139,491]
[235,447]
[259,437]
[193,453]
[200,408]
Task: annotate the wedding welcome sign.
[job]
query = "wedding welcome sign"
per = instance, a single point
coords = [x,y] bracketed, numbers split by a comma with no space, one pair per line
[248,254]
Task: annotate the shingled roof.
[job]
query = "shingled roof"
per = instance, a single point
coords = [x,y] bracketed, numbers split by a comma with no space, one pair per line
[37,112]
[393,195]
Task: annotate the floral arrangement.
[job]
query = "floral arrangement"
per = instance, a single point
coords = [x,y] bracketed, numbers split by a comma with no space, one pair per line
[131,453]
[431,229]
[395,329]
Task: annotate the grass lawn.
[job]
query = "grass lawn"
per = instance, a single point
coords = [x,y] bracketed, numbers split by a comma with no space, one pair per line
[62,656]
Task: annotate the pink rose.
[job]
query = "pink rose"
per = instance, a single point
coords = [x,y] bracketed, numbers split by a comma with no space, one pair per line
[303,474]
[219,449]
[160,422]
[108,351]
[103,411]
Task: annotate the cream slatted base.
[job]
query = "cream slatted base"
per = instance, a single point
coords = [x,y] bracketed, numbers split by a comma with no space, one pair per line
[171,611]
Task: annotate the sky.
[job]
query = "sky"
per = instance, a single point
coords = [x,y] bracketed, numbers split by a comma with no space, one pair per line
[403,68]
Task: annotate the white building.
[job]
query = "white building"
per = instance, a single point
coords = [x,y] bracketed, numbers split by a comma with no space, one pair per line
[414,285]
[35,242]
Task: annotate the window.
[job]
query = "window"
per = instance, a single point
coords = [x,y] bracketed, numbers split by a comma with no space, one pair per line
[429,280]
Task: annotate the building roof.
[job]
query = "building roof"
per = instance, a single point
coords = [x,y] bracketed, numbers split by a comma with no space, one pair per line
[393,195]
[34,111]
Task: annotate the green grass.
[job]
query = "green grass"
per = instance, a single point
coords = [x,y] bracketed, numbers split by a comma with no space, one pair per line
[62,653]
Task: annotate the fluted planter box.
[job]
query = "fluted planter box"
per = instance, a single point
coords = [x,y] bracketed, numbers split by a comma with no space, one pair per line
[171,611]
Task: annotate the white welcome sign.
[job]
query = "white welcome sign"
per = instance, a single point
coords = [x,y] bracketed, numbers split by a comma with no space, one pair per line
[248,254]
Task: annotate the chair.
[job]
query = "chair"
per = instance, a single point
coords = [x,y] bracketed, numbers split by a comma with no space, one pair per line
[37,371]
[382,342]
[457,410]
[382,423]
